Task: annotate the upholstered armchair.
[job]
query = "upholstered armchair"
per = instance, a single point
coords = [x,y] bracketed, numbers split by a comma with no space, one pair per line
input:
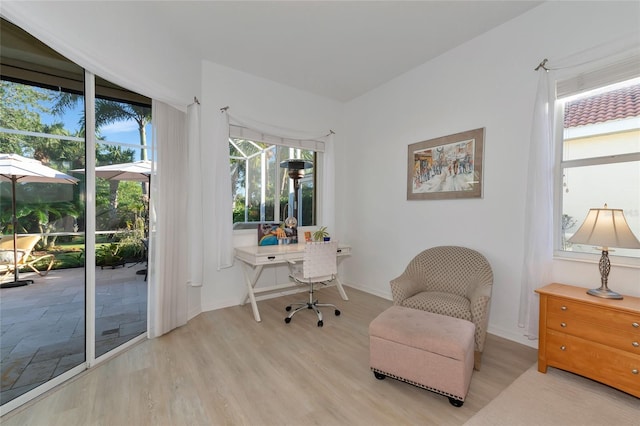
[449,280]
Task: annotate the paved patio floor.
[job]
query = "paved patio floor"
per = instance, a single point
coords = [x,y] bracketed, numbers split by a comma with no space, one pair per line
[42,325]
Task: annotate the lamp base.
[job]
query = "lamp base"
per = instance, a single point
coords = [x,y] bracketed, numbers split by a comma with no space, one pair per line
[605,293]
[18,283]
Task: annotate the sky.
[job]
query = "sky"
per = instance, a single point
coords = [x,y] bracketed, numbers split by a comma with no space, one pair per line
[124,132]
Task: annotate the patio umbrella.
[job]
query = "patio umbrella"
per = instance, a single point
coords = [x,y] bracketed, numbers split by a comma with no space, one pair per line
[138,171]
[15,168]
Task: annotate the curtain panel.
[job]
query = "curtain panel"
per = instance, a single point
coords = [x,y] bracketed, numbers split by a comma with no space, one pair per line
[168,253]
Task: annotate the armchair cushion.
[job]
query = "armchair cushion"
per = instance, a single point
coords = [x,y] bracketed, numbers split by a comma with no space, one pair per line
[441,303]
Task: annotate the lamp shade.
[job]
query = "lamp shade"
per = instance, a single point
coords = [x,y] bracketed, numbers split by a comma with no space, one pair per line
[606,228]
[296,164]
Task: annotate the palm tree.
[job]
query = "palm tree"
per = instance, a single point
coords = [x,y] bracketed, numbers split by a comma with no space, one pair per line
[110,112]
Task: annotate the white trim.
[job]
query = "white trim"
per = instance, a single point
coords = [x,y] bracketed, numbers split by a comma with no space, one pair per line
[245,133]
[618,261]
[90,219]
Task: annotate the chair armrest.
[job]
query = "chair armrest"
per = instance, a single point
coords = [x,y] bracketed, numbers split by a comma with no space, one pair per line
[403,287]
[480,300]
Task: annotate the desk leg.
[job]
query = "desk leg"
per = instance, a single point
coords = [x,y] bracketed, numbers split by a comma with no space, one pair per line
[251,280]
[339,285]
[341,289]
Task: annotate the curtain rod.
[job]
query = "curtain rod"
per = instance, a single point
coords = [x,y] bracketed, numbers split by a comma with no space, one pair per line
[542,65]
[225,109]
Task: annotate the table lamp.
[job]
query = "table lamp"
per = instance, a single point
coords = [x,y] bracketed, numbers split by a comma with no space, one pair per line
[606,228]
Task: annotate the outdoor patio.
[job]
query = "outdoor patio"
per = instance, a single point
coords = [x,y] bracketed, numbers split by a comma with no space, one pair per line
[43,325]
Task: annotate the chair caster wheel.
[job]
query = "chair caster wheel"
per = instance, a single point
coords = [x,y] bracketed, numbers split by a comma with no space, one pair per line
[287,320]
[379,376]
[456,402]
[320,323]
[288,308]
[337,313]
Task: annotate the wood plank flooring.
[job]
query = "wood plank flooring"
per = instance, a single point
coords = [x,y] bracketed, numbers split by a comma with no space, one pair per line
[223,368]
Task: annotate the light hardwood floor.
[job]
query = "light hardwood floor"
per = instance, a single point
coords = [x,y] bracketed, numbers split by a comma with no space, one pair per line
[223,368]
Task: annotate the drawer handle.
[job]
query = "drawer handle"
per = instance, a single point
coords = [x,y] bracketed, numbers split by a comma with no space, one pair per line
[563,348]
[634,371]
[271,257]
[635,344]
[635,325]
[563,324]
[564,308]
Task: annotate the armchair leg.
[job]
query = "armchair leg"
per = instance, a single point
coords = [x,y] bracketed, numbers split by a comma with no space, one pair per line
[477,356]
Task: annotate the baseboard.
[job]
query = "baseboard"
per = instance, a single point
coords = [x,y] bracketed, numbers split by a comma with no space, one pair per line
[383,295]
[513,336]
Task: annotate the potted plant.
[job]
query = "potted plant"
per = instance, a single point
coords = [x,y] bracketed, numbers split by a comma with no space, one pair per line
[321,234]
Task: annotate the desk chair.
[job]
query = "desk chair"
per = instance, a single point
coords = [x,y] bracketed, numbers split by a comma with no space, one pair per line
[319,266]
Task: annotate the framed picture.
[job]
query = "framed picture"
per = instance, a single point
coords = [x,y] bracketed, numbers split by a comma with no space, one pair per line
[446,167]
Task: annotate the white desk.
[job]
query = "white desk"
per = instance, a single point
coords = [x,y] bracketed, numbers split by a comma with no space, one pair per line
[254,258]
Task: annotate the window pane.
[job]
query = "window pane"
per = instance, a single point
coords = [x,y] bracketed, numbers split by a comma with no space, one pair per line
[43,325]
[617,185]
[122,201]
[262,190]
[603,124]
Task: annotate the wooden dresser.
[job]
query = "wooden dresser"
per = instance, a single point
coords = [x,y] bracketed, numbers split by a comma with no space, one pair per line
[594,337]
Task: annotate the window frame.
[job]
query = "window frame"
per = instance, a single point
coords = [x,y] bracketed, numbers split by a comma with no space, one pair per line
[560,165]
[313,145]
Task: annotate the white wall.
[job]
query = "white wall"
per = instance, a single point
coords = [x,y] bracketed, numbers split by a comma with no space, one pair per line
[257,99]
[488,82]
[117,41]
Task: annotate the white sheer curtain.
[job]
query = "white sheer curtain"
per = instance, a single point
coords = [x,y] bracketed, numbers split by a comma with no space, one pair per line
[222,212]
[195,195]
[168,254]
[618,60]
[538,249]
[328,214]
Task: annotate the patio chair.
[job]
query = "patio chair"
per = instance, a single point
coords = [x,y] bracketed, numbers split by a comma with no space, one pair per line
[24,248]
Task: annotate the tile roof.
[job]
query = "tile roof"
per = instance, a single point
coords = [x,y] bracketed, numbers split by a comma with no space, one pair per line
[609,106]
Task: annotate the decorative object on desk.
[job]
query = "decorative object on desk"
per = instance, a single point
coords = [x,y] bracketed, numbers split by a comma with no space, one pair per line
[295,170]
[321,234]
[307,236]
[269,233]
[446,167]
[605,228]
[290,226]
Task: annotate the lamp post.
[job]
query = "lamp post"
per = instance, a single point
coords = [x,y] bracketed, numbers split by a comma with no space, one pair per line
[295,170]
[606,228]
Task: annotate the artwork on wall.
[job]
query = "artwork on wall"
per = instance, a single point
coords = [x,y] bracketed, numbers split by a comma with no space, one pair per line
[447,167]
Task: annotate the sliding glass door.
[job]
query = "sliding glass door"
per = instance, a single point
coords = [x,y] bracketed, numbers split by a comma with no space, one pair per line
[86,291]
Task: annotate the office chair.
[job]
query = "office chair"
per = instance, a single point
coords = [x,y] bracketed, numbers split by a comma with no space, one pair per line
[319,266]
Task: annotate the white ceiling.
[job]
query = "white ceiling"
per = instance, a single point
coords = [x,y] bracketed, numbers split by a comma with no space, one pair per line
[336,49]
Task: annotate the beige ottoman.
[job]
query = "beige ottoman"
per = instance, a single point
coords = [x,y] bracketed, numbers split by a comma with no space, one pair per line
[434,352]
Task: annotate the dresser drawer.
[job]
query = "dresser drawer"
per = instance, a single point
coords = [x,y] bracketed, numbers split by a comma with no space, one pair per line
[623,321]
[607,365]
[602,333]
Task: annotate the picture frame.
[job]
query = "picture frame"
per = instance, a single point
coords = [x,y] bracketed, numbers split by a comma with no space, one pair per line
[448,167]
